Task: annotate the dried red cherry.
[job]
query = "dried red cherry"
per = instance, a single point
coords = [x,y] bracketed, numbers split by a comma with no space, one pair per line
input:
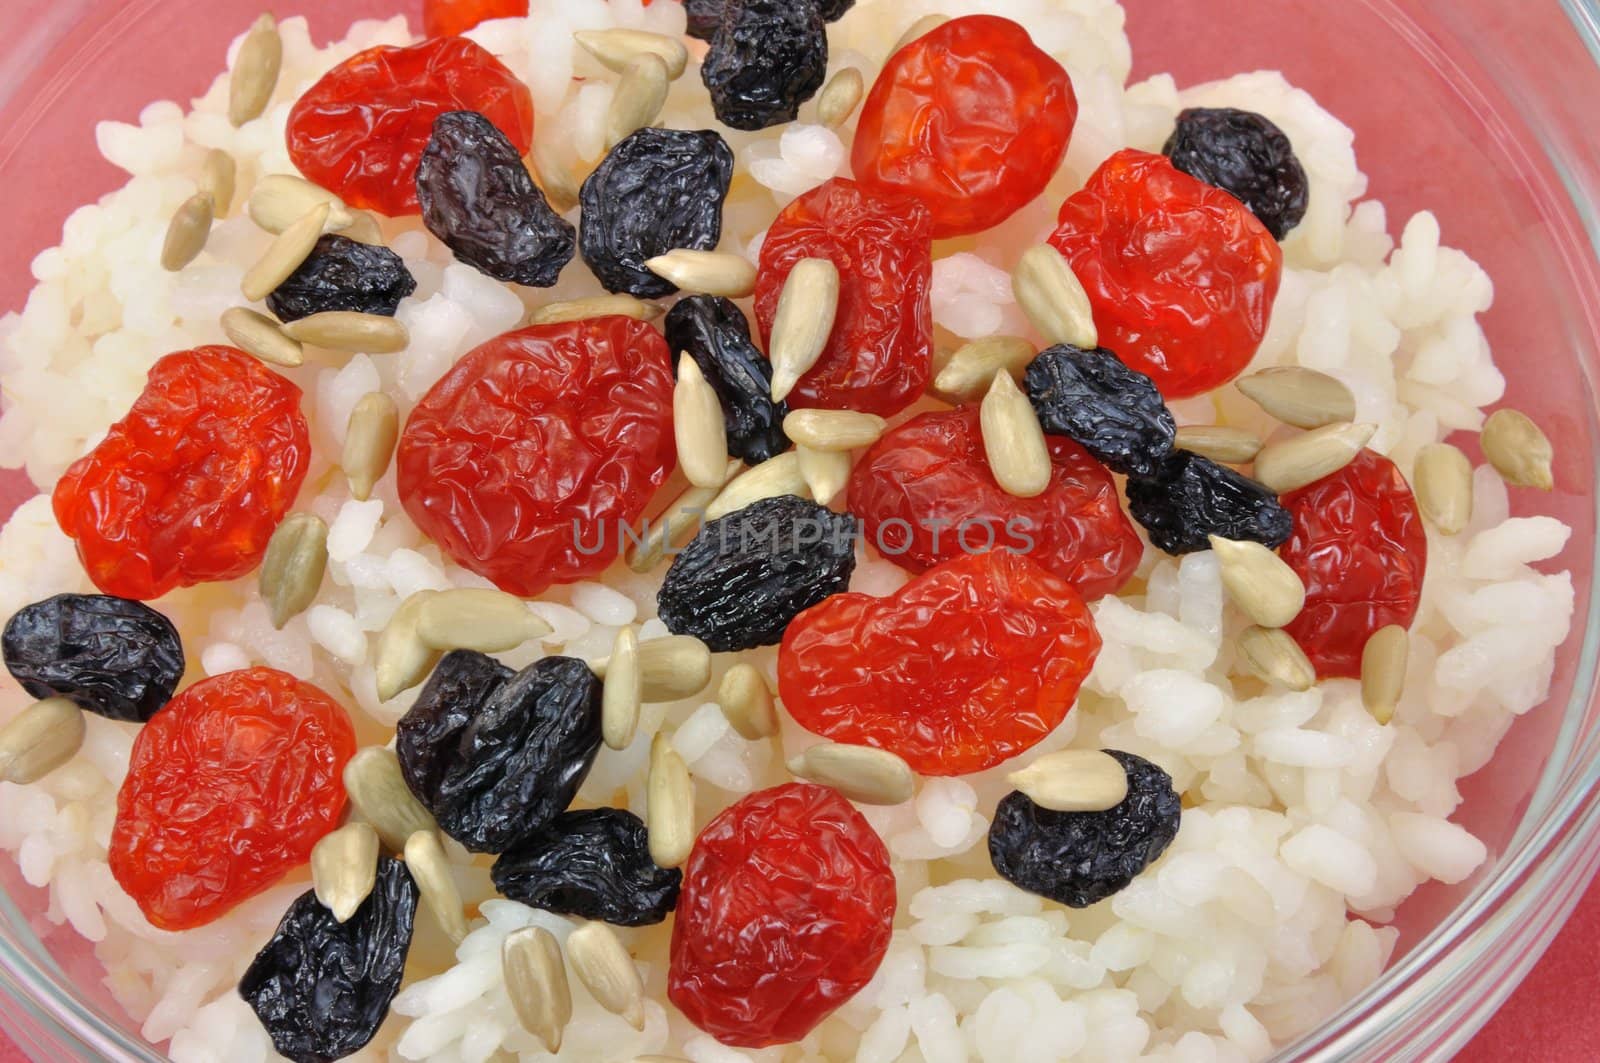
[442,18]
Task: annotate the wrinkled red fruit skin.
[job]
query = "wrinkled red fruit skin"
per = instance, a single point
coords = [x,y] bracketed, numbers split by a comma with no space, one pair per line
[443,18]
[932,471]
[878,357]
[228,788]
[1181,275]
[190,485]
[972,118]
[787,907]
[361,130]
[966,666]
[1360,548]
[538,443]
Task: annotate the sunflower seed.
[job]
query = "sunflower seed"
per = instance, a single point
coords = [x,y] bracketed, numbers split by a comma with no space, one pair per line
[745,699]
[1053,299]
[279,200]
[477,618]
[1518,450]
[187,233]
[825,472]
[402,659]
[640,94]
[430,868]
[698,427]
[621,697]
[259,335]
[39,740]
[369,439]
[536,980]
[1073,780]
[255,72]
[645,553]
[1260,582]
[1383,671]
[1012,439]
[1442,477]
[595,306]
[669,804]
[861,773]
[218,177]
[603,965]
[839,97]
[834,429]
[1268,653]
[920,28]
[1301,397]
[363,228]
[1230,446]
[775,476]
[967,373]
[707,272]
[1309,457]
[803,322]
[671,668]
[618,48]
[346,330]
[291,248]
[379,794]
[344,868]
[555,176]
[292,568]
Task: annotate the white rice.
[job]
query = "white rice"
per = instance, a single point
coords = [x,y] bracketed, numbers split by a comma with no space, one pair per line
[1310,822]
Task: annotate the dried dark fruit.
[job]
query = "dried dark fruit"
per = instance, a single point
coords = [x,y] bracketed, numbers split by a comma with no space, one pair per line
[1190,498]
[321,987]
[1114,412]
[429,733]
[1079,858]
[594,864]
[657,190]
[112,656]
[706,15]
[766,59]
[716,335]
[343,274]
[745,576]
[479,200]
[503,768]
[1246,154]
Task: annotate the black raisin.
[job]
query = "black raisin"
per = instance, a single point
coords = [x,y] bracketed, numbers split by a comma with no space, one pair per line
[343,274]
[706,15]
[1080,858]
[1114,412]
[427,735]
[594,864]
[479,200]
[1243,153]
[746,575]
[657,190]
[766,59]
[111,656]
[717,336]
[1191,497]
[321,987]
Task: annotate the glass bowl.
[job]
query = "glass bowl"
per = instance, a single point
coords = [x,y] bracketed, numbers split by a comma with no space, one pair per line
[1479,110]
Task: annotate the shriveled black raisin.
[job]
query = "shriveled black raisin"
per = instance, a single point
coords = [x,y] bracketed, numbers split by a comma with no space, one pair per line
[321,987]
[1246,154]
[111,656]
[479,200]
[594,863]
[657,190]
[427,735]
[746,575]
[1080,858]
[706,15]
[766,59]
[1191,497]
[717,336]
[343,274]
[1114,412]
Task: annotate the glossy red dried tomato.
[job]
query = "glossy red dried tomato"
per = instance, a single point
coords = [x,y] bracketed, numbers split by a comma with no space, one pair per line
[526,459]
[1181,275]
[442,18]
[361,130]
[925,494]
[967,665]
[228,788]
[1361,550]
[786,911]
[190,486]
[972,118]
[878,357]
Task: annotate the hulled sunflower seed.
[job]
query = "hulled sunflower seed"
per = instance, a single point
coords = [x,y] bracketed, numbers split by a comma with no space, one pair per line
[623,692]
[285,255]
[671,668]
[1230,446]
[402,659]
[261,336]
[861,773]
[1269,654]
[477,618]
[775,476]
[279,200]
[803,322]
[669,804]
[834,429]
[255,72]
[595,306]
[920,28]
[293,566]
[641,93]
[346,330]
[697,426]
[344,868]
[380,796]
[645,553]
[1260,582]
[1442,478]
[1383,671]
[967,373]
[219,175]
[536,981]
[187,233]
[746,701]
[363,228]
[1073,780]
[840,96]
[430,868]
[1012,439]
[603,965]
[555,176]
[369,440]
[1301,397]
[1053,298]
[617,48]
[825,472]
[706,272]
[39,740]
[1518,450]
[1309,457]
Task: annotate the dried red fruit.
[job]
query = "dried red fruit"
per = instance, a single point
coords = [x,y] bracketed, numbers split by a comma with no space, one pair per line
[1360,548]
[786,911]
[986,653]
[188,487]
[879,355]
[442,18]
[361,130]
[1181,275]
[972,118]
[926,495]
[228,788]
[525,459]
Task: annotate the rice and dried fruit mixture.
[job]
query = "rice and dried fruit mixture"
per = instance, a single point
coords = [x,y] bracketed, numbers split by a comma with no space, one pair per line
[751,531]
